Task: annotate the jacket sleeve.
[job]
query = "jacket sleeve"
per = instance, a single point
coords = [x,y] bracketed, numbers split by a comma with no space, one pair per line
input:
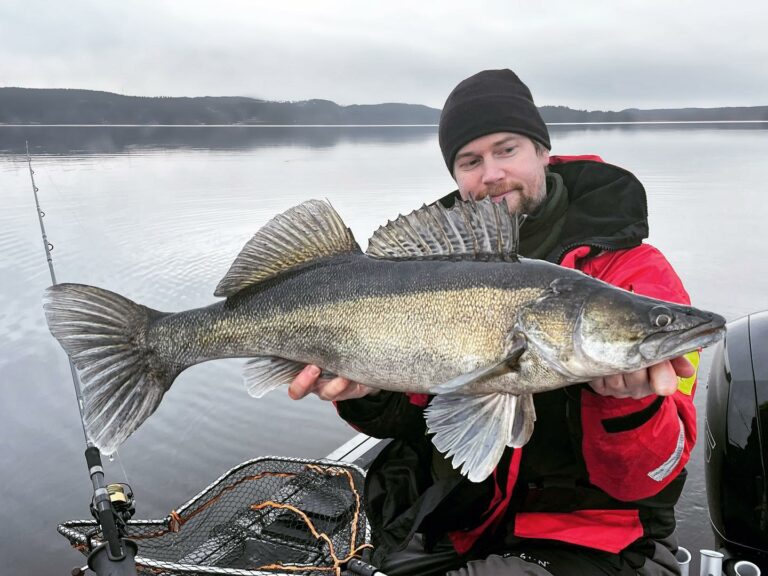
[385,415]
[635,448]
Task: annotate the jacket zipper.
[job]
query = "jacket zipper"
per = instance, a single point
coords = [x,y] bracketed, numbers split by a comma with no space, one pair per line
[606,247]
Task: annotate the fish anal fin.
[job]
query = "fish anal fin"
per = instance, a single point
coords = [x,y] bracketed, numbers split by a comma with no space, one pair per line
[266,373]
[475,430]
[302,234]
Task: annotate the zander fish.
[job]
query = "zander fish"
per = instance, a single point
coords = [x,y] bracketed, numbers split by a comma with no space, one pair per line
[440,304]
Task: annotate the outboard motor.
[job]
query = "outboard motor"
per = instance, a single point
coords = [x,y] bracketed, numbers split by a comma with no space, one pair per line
[736,442]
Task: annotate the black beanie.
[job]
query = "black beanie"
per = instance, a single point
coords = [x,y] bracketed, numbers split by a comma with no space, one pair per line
[490,101]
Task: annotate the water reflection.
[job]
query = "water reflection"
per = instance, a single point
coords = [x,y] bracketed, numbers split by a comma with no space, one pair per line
[111,140]
[69,140]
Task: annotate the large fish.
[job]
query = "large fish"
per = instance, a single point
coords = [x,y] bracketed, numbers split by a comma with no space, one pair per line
[439,304]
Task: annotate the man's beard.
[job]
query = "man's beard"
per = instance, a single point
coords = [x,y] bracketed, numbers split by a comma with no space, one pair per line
[526,204]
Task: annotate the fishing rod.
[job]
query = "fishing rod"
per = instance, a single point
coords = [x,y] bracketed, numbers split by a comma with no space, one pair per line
[111,505]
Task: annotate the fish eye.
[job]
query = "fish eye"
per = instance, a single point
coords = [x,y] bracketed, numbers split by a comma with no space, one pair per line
[662,317]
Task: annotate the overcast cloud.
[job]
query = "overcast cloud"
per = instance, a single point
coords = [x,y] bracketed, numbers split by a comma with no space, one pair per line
[591,54]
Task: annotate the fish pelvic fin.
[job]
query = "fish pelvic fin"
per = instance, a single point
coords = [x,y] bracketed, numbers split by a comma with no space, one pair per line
[469,230]
[105,336]
[474,430]
[266,373]
[300,235]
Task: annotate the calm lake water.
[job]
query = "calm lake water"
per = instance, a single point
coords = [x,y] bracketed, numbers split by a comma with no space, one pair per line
[158,214]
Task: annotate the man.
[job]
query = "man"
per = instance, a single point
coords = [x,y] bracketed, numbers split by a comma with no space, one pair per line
[593,491]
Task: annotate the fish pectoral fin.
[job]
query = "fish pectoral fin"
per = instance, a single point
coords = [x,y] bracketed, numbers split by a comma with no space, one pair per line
[475,430]
[507,364]
[265,373]
[522,427]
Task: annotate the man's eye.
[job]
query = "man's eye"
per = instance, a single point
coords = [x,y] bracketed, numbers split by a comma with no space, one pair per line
[467,164]
[508,150]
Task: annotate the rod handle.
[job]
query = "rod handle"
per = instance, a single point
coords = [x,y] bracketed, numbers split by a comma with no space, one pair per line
[361,568]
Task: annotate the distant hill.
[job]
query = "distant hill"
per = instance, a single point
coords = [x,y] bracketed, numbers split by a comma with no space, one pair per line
[556,114]
[44,106]
[64,106]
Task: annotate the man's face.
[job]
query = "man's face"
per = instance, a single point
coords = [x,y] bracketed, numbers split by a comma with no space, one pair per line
[504,166]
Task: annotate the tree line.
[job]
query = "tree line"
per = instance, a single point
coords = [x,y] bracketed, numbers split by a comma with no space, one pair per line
[69,106]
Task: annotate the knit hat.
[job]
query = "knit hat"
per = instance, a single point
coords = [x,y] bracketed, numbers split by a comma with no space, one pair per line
[490,101]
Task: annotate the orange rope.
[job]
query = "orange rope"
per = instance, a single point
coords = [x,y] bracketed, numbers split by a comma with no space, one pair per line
[337,562]
[151,568]
[298,568]
[307,521]
[177,521]
[232,487]
[335,471]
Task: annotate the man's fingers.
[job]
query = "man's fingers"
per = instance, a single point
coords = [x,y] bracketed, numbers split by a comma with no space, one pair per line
[615,386]
[658,379]
[357,390]
[598,385]
[610,386]
[304,383]
[333,389]
[683,367]
[637,384]
[629,385]
[310,380]
[663,378]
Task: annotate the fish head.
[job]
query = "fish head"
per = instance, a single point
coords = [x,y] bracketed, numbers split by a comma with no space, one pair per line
[585,328]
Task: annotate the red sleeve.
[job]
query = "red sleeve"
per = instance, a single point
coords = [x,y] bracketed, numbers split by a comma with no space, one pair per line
[634,448]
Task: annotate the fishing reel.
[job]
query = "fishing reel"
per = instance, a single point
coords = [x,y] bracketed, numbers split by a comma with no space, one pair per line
[123,503]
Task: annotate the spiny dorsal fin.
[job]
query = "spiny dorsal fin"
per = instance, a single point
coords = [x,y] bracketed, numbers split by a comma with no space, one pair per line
[301,234]
[470,229]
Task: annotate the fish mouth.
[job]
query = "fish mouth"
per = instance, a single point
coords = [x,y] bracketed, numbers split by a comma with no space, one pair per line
[665,345]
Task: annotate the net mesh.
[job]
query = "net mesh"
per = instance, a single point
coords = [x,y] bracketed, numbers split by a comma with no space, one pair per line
[266,516]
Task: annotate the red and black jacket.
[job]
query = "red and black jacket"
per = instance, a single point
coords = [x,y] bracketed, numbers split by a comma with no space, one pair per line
[598,471]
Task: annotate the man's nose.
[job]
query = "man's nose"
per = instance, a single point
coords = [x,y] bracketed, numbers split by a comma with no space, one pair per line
[492,172]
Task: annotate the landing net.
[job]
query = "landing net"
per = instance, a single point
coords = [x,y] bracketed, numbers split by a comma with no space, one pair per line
[267,516]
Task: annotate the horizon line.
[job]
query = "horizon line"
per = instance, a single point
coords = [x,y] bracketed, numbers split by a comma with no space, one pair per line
[624,122]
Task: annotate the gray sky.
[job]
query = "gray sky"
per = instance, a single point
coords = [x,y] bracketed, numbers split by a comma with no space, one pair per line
[583,54]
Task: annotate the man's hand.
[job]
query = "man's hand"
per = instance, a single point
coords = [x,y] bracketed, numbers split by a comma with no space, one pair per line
[308,381]
[658,379]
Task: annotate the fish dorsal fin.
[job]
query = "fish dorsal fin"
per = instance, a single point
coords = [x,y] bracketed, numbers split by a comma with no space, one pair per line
[301,234]
[472,230]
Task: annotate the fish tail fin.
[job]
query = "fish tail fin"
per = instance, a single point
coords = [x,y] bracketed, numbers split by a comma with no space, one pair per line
[106,337]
